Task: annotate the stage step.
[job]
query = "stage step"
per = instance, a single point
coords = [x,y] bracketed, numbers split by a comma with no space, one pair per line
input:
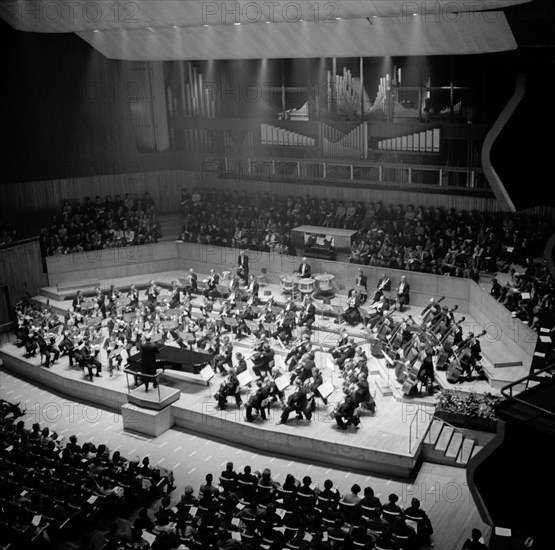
[444,438]
[434,431]
[454,447]
[466,451]
[498,355]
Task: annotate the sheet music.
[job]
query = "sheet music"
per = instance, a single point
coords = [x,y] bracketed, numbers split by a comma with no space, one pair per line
[326,389]
[207,374]
[282,381]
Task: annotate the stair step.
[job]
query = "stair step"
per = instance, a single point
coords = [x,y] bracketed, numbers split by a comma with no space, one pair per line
[466,451]
[476,449]
[434,431]
[444,438]
[454,445]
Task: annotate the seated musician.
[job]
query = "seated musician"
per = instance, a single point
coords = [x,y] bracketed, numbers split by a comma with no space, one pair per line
[274,392]
[213,281]
[152,293]
[192,282]
[89,361]
[297,403]
[133,296]
[51,351]
[345,352]
[360,281]
[240,363]
[256,401]
[284,329]
[403,293]
[175,296]
[223,358]
[304,270]
[315,381]
[384,285]
[345,412]
[381,307]
[263,360]
[229,387]
[298,350]
[307,315]
[304,368]
[362,395]
[352,314]
[30,341]
[343,339]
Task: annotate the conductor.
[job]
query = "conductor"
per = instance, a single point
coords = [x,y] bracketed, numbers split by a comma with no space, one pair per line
[148,360]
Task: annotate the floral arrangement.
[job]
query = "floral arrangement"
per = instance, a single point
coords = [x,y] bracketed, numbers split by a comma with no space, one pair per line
[475,405]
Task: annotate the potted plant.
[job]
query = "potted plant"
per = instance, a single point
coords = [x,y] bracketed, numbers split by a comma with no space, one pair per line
[472,411]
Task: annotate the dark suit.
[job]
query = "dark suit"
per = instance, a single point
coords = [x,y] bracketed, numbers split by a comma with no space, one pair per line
[403,295]
[243,263]
[76,303]
[304,270]
[148,361]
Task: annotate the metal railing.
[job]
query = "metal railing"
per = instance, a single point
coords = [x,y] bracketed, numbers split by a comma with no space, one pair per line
[507,391]
[138,375]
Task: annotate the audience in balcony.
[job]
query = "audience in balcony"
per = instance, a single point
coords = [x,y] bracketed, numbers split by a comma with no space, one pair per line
[97,224]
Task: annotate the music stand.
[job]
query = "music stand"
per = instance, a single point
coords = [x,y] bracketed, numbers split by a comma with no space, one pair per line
[201,285]
[283,381]
[230,322]
[222,290]
[325,389]
[207,373]
[245,378]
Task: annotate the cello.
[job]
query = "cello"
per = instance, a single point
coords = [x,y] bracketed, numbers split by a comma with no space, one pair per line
[411,378]
[460,358]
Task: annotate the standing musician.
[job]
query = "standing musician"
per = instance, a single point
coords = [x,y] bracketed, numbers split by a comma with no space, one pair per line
[304,270]
[243,266]
[100,300]
[113,295]
[469,361]
[152,293]
[426,372]
[192,282]
[77,301]
[403,293]
[149,350]
[307,315]
[252,291]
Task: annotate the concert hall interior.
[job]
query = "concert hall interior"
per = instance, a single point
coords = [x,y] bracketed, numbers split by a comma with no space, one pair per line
[276,274]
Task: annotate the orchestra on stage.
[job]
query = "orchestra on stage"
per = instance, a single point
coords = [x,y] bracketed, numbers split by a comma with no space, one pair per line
[102,331]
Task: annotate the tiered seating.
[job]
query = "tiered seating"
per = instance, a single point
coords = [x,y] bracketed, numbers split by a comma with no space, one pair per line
[52,488]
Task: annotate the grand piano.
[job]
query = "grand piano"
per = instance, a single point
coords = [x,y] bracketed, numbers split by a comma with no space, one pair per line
[174,358]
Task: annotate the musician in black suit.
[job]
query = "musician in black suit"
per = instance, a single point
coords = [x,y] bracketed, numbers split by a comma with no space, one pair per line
[192,282]
[77,300]
[345,413]
[360,281]
[175,296]
[152,295]
[403,293]
[308,314]
[133,296]
[51,351]
[89,361]
[243,266]
[148,360]
[101,302]
[297,402]
[255,401]
[304,270]
[426,371]
[469,362]
[213,281]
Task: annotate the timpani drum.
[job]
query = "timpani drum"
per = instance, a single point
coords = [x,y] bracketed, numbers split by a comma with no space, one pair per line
[324,281]
[288,282]
[306,286]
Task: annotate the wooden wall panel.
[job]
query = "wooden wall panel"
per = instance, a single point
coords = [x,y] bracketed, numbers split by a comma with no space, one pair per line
[21,269]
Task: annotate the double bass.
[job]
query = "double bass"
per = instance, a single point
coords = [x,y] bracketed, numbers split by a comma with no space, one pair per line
[446,345]
[460,357]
